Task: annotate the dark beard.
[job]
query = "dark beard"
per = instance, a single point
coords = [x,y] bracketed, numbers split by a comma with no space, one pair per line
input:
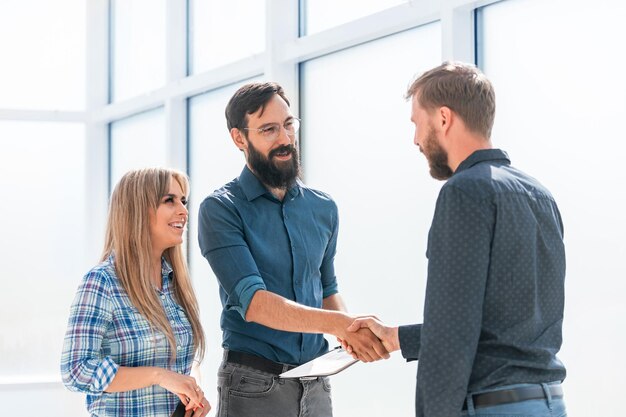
[437,158]
[438,163]
[275,174]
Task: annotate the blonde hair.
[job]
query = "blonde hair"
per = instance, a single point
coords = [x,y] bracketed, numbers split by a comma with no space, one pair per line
[138,193]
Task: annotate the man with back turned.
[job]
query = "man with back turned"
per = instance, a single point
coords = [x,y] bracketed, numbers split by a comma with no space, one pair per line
[493,312]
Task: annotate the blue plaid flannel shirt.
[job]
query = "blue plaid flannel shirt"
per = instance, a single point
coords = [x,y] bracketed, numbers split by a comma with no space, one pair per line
[105,331]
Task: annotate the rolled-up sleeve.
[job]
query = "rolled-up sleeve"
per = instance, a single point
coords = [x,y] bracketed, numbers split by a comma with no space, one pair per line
[83,368]
[222,243]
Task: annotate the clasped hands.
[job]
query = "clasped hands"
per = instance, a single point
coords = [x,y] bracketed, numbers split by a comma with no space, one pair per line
[368,339]
[187,390]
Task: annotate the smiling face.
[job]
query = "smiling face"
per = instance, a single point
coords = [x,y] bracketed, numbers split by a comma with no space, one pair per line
[167,223]
[269,148]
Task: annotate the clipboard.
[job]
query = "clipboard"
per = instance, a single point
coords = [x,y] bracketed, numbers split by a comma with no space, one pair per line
[180,410]
[331,363]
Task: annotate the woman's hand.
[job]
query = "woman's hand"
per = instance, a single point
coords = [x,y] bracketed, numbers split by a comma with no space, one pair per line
[186,388]
[200,411]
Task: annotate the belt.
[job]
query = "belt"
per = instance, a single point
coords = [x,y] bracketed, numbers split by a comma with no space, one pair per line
[257,362]
[513,395]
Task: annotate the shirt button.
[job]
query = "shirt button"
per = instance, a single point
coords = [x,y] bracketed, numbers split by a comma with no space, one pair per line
[163,296]
[179,347]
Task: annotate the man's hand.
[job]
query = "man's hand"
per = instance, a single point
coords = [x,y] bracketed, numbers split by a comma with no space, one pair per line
[279,313]
[387,335]
[362,344]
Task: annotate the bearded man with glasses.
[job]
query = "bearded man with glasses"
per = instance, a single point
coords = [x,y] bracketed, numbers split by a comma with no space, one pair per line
[271,242]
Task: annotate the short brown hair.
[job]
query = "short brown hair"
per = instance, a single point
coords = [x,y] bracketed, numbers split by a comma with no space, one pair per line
[461,87]
[248,100]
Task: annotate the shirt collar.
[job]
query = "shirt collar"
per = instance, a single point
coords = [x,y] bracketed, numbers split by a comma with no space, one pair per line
[166,268]
[253,188]
[166,276]
[483,155]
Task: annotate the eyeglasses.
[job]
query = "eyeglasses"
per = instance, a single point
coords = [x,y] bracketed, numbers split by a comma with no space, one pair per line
[271,131]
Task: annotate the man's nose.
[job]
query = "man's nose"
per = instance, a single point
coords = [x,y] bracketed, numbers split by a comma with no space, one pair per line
[283,137]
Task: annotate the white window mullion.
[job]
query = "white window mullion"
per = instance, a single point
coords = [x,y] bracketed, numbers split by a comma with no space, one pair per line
[42,115]
[457,27]
[281,30]
[369,28]
[97,133]
[176,133]
[176,70]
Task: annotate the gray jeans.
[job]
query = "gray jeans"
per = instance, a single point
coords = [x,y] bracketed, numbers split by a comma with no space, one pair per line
[244,392]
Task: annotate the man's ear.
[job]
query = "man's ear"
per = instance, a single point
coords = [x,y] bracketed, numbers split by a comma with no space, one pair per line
[238,139]
[446,117]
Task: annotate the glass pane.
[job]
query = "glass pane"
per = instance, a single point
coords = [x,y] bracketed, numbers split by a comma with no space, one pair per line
[214,161]
[320,15]
[137,142]
[560,106]
[43,184]
[42,44]
[225,31]
[357,142]
[138,58]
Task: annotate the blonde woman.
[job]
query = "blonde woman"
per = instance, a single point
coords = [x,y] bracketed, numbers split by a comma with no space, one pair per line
[134,328]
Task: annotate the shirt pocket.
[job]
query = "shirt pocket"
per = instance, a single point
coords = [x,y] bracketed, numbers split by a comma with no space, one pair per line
[251,384]
[129,321]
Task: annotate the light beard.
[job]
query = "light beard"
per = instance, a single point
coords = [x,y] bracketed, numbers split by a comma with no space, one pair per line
[273,174]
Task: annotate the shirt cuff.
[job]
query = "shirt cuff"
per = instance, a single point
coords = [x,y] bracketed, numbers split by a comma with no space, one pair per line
[104,374]
[410,341]
[243,293]
[330,290]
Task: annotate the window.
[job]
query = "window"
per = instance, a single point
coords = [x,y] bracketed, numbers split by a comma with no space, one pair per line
[138,44]
[43,184]
[356,136]
[240,22]
[137,142]
[320,15]
[43,54]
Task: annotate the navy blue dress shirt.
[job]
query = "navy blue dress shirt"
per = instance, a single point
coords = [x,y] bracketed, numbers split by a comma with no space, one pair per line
[253,241]
[495,291]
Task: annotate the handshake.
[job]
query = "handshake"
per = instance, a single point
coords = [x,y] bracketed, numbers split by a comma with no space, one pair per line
[367,338]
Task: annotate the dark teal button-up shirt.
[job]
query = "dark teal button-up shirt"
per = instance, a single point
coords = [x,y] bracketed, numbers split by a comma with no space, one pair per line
[253,241]
[495,291]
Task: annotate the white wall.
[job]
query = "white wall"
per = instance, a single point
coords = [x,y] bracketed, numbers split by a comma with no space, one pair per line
[33,399]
